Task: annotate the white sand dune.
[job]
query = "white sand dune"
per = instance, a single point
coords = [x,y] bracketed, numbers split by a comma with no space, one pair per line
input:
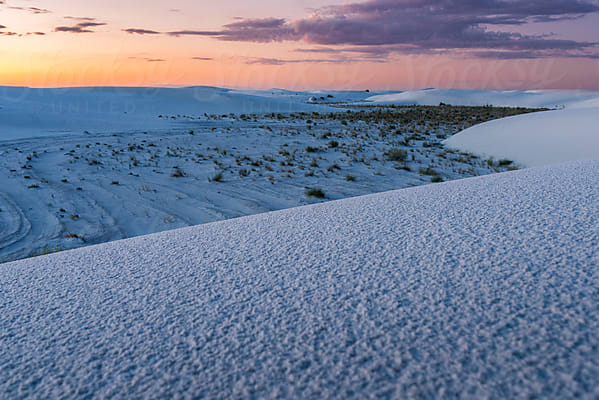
[480,288]
[27,112]
[535,139]
[510,98]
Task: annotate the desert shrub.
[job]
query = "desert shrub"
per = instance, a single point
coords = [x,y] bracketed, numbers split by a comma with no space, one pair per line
[436,179]
[45,251]
[350,178]
[505,163]
[178,173]
[318,193]
[428,171]
[398,155]
[311,149]
[74,236]
[216,178]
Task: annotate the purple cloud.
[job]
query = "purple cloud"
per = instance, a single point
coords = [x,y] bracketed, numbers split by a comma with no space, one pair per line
[281,61]
[418,26]
[137,31]
[147,59]
[89,19]
[33,10]
[261,30]
[81,27]
[435,23]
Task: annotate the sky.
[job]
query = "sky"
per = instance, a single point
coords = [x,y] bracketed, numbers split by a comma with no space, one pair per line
[301,44]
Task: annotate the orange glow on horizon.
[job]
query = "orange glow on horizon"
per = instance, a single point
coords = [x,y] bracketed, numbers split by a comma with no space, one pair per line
[410,72]
[111,57]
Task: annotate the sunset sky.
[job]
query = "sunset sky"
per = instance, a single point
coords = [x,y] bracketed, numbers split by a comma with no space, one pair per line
[301,44]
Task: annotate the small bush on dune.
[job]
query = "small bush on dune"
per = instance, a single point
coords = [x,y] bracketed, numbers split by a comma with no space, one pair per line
[178,173]
[398,155]
[428,171]
[318,193]
[216,178]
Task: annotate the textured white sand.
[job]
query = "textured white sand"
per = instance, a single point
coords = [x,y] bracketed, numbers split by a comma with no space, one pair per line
[485,287]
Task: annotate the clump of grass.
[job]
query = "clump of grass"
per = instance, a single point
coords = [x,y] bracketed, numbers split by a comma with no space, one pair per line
[74,236]
[333,144]
[436,179]
[216,178]
[395,154]
[178,173]
[311,149]
[428,171]
[350,178]
[318,193]
[504,163]
[45,251]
